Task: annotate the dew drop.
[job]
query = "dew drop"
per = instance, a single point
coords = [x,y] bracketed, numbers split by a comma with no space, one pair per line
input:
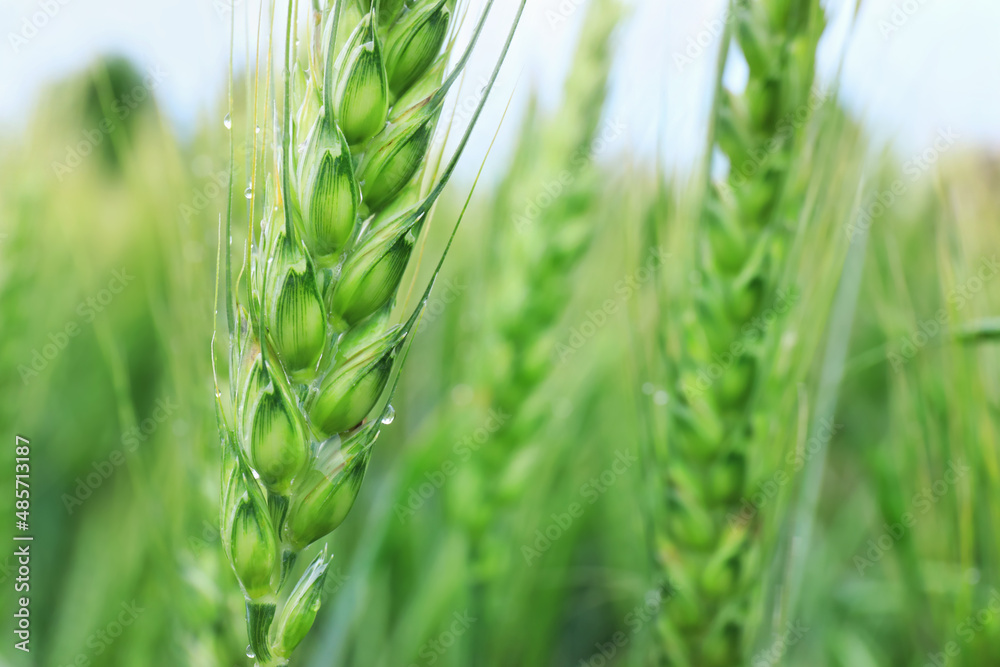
[389,416]
[250,653]
[248,193]
[258,129]
[228,122]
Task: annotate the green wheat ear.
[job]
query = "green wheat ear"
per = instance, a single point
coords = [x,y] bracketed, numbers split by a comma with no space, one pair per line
[313,352]
[709,553]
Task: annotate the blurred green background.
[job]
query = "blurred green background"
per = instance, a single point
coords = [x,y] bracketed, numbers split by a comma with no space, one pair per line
[525,393]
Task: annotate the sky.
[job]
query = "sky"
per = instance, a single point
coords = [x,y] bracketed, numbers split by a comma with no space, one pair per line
[909,67]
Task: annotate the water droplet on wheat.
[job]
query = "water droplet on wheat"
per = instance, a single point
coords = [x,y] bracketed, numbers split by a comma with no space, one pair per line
[389,416]
[250,653]
[248,193]
[258,129]
[228,122]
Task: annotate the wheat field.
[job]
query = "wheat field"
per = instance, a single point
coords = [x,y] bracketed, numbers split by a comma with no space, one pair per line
[451,332]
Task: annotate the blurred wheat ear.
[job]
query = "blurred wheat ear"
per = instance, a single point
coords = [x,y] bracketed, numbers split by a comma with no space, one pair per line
[706,544]
[544,217]
[313,351]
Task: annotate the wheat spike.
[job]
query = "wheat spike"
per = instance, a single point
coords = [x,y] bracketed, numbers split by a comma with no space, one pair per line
[314,350]
[708,552]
